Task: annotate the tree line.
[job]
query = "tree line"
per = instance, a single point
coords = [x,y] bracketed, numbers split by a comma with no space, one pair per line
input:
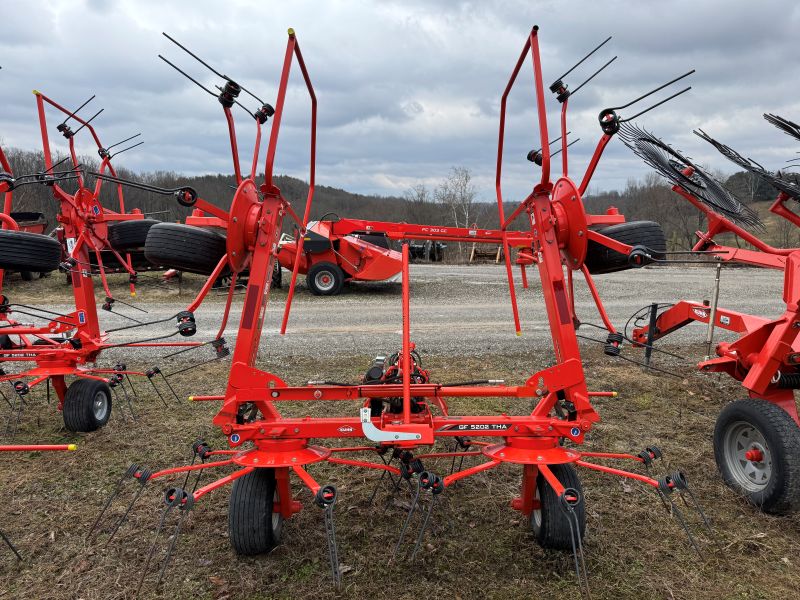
[453,201]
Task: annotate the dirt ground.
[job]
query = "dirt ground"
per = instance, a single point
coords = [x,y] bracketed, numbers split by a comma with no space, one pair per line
[476,547]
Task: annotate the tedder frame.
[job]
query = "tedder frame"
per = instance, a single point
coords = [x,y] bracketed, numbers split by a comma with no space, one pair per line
[756,441]
[268,449]
[68,344]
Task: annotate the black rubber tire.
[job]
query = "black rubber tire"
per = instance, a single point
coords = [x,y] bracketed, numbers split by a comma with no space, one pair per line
[5,342]
[79,413]
[26,251]
[781,493]
[600,259]
[184,247]
[251,527]
[554,529]
[26,275]
[320,270]
[126,235]
[277,275]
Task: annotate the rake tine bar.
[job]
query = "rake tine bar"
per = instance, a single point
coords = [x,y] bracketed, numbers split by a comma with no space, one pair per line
[10,545]
[325,498]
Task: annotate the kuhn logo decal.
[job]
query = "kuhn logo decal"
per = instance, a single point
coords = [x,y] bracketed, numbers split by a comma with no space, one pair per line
[345,429]
[700,312]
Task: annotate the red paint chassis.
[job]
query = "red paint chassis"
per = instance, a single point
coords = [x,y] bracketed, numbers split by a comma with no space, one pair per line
[768,349]
[557,235]
[85,221]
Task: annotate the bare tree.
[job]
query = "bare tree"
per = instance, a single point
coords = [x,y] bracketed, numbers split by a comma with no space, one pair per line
[457,193]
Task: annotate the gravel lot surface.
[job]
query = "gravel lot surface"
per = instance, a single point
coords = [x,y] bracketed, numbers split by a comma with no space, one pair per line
[454,309]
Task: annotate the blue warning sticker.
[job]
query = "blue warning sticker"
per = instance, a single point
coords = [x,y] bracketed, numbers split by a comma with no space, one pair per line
[235,438]
[575,432]
[96,209]
[81,317]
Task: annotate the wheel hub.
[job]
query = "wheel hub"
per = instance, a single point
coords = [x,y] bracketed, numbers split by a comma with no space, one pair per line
[99,405]
[754,455]
[748,456]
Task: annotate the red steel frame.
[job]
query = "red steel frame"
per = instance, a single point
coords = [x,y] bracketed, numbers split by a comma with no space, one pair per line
[86,221]
[767,348]
[559,233]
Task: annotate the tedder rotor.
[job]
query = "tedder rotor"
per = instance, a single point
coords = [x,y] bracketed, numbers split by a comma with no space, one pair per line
[756,441]
[397,408]
[67,344]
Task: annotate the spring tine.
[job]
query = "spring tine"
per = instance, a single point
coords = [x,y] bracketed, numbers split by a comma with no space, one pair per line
[580,62]
[127,400]
[186,479]
[157,392]
[333,552]
[5,398]
[184,511]
[376,488]
[130,383]
[126,475]
[170,387]
[424,526]
[699,509]
[585,580]
[407,521]
[676,512]
[10,545]
[116,399]
[164,513]
[75,112]
[121,521]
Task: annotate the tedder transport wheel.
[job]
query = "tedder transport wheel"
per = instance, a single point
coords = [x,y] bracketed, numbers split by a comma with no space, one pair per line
[126,235]
[277,275]
[757,449]
[184,247]
[26,251]
[550,522]
[325,279]
[253,527]
[600,259]
[87,405]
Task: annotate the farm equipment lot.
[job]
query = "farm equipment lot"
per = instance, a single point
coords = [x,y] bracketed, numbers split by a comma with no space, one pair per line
[455,309]
[478,546]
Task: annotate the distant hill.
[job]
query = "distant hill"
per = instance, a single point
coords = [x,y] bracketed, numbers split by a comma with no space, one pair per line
[646,199]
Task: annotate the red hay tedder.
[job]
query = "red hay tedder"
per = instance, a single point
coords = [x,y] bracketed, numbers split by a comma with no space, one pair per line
[756,441]
[66,345]
[397,407]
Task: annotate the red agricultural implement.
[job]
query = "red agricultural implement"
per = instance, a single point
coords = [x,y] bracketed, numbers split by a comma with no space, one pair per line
[31,448]
[68,344]
[756,441]
[397,407]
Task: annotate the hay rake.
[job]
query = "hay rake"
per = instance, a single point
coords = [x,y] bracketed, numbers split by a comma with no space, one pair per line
[756,441]
[400,410]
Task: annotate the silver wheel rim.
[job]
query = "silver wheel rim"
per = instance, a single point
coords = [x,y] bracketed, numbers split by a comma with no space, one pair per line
[277,518]
[536,513]
[751,475]
[325,281]
[100,405]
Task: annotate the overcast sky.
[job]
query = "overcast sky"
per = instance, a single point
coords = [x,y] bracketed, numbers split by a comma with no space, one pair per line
[406,89]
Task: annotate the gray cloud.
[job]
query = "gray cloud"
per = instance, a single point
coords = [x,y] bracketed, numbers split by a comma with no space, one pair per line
[406,89]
